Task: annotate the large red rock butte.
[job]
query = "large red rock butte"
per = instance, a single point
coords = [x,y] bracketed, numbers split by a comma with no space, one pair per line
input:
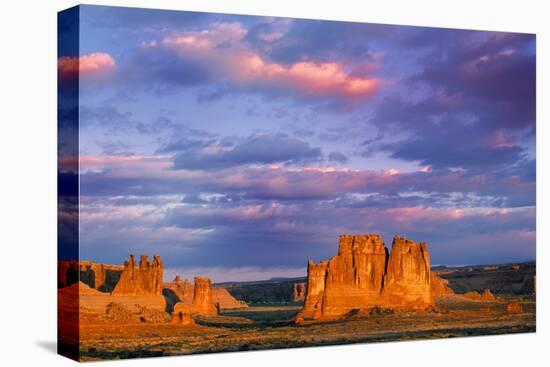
[145,278]
[363,276]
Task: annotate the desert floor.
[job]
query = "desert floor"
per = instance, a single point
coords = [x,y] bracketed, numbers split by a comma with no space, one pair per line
[257,328]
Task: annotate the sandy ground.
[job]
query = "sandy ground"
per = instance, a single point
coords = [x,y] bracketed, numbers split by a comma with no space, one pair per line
[258,328]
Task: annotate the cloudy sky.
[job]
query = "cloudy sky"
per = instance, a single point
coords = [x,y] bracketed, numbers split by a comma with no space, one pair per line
[239,147]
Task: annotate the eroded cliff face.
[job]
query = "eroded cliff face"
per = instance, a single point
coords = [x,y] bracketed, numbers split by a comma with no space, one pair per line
[102,277]
[202,298]
[316,275]
[185,290]
[145,278]
[408,276]
[182,315]
[355,276]
[362,276]
[222,297]
[486,296]
[191,299]
[440,286]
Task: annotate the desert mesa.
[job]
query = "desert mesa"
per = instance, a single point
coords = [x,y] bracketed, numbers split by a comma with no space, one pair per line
[364,275]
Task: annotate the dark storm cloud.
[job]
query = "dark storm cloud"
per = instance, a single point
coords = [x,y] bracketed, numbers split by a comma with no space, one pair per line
[221,58]
[287,184]
[454,146]
[163,71]
[256,149]
[479,114]
[310,230]
[184,144]
[446,116]
[498,72]
[106,116]
[337,157]
[306,40]
[132,19]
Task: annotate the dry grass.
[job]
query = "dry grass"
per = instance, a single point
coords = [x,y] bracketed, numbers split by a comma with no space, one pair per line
[272,327]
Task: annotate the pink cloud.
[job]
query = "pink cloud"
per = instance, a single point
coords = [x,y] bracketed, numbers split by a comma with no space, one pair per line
[221,48]
[500,140]
[124,164]
[280,182]
[418,214]
[91,64]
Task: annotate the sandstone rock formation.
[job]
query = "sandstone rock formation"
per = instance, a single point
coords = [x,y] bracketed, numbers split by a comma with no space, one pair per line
[182,315]
[75,292]
[222,297]
[85,290]
[316,276]
[87,305]
[67,273]
[102,277]
[486,296]
[408,276]
[473,295]
[362,276]
[143,279]
[440,286]
[125,313]
[184,290]
[298,292]
[514,307]
[202,298]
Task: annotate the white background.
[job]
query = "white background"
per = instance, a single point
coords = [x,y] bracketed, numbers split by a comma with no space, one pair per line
[28,182]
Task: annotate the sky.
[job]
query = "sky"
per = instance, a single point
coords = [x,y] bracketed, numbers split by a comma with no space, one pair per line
[239,147]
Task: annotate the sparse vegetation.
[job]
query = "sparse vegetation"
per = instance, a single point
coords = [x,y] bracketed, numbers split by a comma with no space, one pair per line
[258,328]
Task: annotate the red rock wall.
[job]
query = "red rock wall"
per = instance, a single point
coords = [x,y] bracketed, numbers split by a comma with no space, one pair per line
[143,279]
[185,290]
[408,275]
[316,276]
[440,286]
[182,288]
[362,276]
[226,300]
[202,298]
[99,276]
[355,276]
[103,277]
